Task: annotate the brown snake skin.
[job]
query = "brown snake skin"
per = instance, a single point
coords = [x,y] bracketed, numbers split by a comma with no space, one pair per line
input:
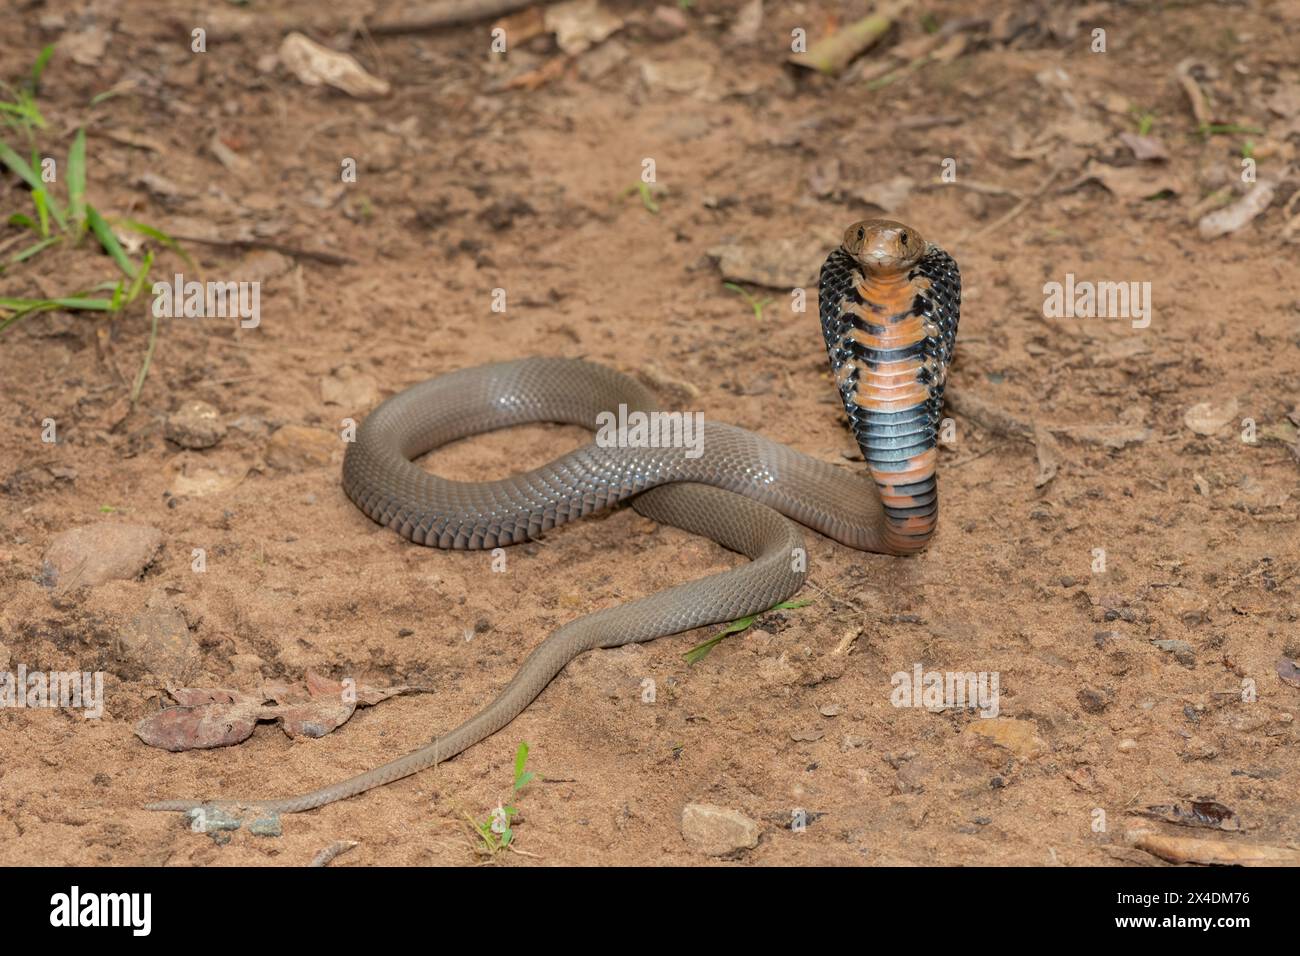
[889,305]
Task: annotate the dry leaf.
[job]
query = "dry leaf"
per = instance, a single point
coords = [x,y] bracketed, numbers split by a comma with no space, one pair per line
[316,65]
[1049,456]
[1131,183]
[1208,814]
[580,24]
[1145,148]
[216,717]
[1215,852]
[1229,219]
[1206,418]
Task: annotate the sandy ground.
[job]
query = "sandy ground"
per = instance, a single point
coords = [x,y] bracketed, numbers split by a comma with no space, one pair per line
[480,172]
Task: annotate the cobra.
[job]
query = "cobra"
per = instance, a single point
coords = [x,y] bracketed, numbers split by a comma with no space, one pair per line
[889,303]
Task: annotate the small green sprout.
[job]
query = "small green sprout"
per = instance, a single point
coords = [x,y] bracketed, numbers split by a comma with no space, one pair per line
[698,653]
[496,833]
[758,305]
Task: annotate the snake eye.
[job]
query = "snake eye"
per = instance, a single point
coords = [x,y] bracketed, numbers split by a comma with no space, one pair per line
[902,237]
[862,233]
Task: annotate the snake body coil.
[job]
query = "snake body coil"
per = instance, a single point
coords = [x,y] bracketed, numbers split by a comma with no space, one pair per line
[889,304]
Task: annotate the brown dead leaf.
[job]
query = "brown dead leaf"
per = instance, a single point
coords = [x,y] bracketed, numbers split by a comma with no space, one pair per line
[1130,183]
[1208,814]
[1229,219]
[1214,852]
[1145,148]
[1049,456]
[317,65]
[207,717]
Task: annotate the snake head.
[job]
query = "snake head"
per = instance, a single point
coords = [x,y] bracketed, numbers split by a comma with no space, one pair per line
[882,245]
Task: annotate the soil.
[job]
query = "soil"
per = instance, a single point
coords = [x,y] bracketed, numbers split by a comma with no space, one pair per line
[1083,520]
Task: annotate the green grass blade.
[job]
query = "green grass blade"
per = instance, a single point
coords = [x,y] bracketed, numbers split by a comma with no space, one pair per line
[28,175]
[65,302]
[701,651]
[148,358]
[109,241]
[159,236]
[38,67]
[77,180]
[40,198]
[34,249]
[138,282]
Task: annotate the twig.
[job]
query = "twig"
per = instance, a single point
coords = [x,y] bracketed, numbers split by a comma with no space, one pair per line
[328,258]
[1015,210]
[148,359]
[1193,90]
[444,13]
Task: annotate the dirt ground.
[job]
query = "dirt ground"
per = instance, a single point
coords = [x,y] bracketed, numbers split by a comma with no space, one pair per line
[1130,578]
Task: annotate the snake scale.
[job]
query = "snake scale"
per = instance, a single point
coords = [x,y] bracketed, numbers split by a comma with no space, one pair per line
[889,304]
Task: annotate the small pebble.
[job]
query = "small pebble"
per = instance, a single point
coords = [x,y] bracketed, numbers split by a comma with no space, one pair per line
[268,826]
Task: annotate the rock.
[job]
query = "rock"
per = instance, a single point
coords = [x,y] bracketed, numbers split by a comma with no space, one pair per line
[268,826]
[1018,736]
[830,710]
[579,25]
[807,734]
[1208,417]
[195,424]
[211,820]
[780,263]
[852,742]
[1094,701]
[716,831]
[349,387]
[1183,652]
[159,640]
[297,448]
[105,551]
[195,476]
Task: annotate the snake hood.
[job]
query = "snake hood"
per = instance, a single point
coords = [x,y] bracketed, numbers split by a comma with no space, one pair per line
[889,304]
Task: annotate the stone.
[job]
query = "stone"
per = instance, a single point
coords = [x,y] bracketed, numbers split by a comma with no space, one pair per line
[106,551]
[159,639]
[195,424]
[717,831]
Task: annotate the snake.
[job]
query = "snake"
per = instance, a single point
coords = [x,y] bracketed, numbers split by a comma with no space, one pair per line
[889,303]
